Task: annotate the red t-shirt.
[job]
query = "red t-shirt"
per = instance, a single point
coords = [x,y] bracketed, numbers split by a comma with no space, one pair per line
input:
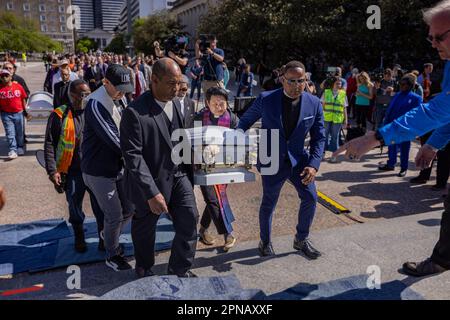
[11,98]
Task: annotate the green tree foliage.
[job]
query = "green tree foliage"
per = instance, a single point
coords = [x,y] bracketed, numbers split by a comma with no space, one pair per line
[18,34]
[279,30]
[117,45]
[156,27]
[85,44]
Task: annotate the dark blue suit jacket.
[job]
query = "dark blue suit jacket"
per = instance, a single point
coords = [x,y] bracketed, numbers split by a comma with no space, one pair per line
[268,107]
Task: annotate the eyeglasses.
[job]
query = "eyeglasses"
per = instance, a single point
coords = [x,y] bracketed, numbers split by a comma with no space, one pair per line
[184,89]
[295,81]
[439,38]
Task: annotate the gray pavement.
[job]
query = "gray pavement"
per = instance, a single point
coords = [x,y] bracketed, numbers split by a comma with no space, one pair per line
[400,223]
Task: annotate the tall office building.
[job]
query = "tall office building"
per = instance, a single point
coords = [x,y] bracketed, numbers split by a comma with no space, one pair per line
[134,9]
[51,14]
[99,14]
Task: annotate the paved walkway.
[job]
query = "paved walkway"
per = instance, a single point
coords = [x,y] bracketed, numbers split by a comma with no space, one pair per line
[389,206]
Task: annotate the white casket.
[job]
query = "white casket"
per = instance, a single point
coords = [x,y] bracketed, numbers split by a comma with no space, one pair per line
[221,155]
[40,104]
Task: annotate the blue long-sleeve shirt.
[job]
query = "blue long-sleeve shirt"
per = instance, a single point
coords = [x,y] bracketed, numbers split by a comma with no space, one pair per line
[424,118]
[401,104]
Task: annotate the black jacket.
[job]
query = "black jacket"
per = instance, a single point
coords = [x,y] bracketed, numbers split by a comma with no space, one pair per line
[22,82]
[146,147]
[61,94]
[189,111]
[97,77]
[52,136]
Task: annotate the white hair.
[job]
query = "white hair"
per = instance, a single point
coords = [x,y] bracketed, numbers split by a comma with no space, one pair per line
[441,7]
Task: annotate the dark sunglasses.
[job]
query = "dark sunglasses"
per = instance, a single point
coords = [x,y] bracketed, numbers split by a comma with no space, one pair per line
[184,89]
[295,81]
[439,38]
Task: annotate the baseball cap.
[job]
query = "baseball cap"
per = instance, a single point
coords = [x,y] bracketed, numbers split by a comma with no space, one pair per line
[64,62]
[5,71]
[120,78]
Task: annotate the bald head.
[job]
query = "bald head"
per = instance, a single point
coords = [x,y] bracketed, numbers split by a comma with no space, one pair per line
[165,67]
[166,79]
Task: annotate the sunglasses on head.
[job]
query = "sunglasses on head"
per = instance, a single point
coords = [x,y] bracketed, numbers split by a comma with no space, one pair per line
[439,38]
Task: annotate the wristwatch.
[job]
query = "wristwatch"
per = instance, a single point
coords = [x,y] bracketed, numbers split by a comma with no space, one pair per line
[379,137]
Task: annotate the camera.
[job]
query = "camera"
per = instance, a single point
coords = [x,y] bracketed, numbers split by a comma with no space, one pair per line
[176,44]
[205,42]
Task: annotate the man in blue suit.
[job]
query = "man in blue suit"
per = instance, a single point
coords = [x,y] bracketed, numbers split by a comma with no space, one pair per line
[293,113]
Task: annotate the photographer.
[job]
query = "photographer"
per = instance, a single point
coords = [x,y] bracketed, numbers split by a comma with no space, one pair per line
[212,58]
[174,48]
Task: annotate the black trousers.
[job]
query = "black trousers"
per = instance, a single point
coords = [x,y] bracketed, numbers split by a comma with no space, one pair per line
[183,209]
[362,113]
[441,252]
[212,210]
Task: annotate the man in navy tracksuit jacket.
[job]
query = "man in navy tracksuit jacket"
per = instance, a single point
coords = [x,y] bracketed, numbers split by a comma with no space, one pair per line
[102,163]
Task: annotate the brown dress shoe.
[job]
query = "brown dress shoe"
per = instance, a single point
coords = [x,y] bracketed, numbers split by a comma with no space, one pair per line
[423,268]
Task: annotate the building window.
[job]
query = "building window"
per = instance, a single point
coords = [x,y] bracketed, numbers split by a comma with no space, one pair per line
[9,6]
[62,19]
[42,8]
[62,9]
[44,28]
[63,29]
[103,43]
[43,18]
[26,7]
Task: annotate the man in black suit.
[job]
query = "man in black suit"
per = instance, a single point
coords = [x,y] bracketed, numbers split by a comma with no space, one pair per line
[61,94]
[185,104]
[94,75]
[155,183]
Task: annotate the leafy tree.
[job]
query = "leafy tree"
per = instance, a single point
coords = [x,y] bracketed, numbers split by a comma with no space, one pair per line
[156,27]
[85,44]
[19,34]
[117,45]
[277,31]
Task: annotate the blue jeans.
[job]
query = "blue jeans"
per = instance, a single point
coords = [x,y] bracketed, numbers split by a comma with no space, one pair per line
[332,135]
[195,84]
[404,155]
[13,124]
[75,191]
[247,93]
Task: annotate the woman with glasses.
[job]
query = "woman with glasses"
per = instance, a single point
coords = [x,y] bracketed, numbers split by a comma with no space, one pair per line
[217,210]
[334,102]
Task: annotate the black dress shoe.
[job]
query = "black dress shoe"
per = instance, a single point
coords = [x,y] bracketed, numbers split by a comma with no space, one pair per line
[418,180]
[386,168]
[421,269]
[143,273]
[306,247]
[266,249]
[187,274]
[402,173]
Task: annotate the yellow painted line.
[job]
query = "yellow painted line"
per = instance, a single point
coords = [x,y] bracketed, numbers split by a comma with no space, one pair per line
[335,205]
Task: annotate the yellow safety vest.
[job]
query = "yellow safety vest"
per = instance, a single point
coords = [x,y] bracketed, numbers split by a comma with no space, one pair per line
[333,108]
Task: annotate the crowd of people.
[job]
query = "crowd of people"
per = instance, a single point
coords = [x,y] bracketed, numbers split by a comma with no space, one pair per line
[110,135]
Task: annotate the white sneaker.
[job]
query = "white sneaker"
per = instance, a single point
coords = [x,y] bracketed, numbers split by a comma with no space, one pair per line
[12,155]
[20,151]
